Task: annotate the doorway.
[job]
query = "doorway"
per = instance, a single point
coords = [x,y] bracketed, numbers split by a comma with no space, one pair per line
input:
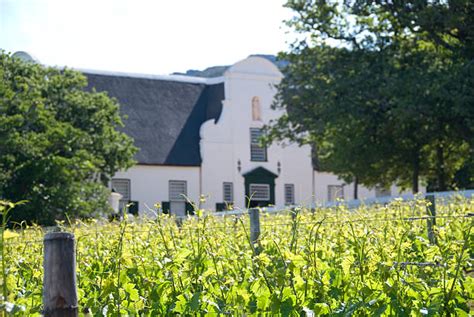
[259,187]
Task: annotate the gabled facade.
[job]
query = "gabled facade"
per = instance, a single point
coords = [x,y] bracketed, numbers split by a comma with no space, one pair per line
[198,137]
[230,150]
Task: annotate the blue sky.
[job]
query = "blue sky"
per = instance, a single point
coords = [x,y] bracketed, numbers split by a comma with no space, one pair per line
[156,37]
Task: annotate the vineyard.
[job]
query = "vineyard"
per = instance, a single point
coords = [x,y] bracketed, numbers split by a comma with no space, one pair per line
[372,261]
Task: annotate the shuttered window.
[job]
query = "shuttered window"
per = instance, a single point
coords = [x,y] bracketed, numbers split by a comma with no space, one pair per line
[257,152]
[260,192]
[122,186]
[228,192]
[289,194]
[335,192]
[177,190]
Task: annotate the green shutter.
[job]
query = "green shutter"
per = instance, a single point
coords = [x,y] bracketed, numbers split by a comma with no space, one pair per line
[189,209]
[133,208]
[165,207]
[221,206]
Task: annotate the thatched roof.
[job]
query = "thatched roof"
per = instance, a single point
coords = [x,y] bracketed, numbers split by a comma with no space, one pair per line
[164,115]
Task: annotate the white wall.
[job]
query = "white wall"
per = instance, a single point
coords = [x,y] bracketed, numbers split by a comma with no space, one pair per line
[323,180]
[149,183]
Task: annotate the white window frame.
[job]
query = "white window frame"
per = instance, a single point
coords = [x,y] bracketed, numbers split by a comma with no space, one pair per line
[182,196]
[230,198]
[289,192]
[253,197]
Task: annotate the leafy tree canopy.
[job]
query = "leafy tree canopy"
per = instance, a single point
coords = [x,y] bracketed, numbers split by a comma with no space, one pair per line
[381,89]
[378,23]
[59,143]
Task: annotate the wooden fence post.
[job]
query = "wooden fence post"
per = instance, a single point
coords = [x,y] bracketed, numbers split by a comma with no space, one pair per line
[254,226]
[59,284]
[431,211]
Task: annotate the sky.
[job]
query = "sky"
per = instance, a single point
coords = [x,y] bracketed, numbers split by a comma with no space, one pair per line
[152,37]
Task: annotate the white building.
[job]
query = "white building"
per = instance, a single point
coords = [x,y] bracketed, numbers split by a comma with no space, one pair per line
[198,137]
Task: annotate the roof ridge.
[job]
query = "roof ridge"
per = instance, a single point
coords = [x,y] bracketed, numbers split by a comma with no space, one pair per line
[177,78]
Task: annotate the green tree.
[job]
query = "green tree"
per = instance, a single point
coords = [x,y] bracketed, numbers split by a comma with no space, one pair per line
[365,24]
[59,144]
[448,24]
[433,87]
[380,100]
[326,98]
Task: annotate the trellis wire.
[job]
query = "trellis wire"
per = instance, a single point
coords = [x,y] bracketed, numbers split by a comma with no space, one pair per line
[263,224]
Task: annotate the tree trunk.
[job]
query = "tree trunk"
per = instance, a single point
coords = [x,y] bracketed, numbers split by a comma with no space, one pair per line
[416,172]
[440,168]
[356,188]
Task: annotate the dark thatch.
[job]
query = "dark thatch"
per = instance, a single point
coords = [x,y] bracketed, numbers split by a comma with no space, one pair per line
[163,116]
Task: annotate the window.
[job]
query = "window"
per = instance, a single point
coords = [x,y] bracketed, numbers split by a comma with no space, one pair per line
[122,186]
[177,190]
[257,152]
[259,192]
[335,192]
[228,192]
[289,194]
[381,191]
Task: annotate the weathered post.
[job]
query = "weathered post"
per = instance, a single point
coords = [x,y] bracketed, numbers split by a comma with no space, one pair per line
[254,226]
[59,284]
[431,211]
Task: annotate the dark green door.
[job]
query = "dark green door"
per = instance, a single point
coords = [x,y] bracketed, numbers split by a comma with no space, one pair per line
[259,187]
